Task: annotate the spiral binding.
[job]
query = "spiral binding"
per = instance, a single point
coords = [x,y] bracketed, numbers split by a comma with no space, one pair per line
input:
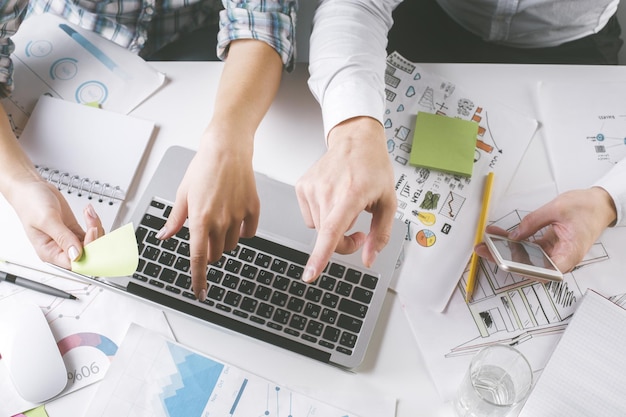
[91,189]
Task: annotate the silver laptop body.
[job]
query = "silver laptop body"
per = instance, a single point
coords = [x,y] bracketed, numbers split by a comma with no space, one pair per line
[259,292]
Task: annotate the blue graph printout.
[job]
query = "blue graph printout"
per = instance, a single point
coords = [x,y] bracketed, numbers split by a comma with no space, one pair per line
[152,376]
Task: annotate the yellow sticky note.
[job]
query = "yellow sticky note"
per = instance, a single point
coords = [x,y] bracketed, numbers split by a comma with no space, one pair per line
[444,143]
[112,255]
[36,412]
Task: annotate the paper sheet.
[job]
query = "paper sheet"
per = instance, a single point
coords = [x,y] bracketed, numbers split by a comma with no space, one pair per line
[507,308]
[441,210]
[586,374]
[88,330]
[153,376]
[55,58]
[585,129]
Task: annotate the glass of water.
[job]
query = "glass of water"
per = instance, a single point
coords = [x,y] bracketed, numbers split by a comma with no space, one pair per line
[498,379]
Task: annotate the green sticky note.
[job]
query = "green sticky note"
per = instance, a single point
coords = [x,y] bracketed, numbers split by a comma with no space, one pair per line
[444,143]
[112,255]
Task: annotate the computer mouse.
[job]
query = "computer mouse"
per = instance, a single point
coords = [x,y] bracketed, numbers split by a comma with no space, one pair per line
[30,352]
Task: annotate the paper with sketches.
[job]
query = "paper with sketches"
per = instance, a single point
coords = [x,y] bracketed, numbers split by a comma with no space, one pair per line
[154,376]
[506,308]
[88,330]
[441,210]
[54,57]
[585,127]
[113,255]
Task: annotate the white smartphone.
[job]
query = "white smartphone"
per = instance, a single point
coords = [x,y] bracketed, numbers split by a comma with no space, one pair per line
[522,257]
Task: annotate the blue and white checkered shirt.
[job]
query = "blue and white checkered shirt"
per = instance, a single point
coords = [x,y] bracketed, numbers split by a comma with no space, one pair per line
[144,26]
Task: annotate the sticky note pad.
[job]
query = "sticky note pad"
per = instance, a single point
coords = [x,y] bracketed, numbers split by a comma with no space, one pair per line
[112,255]
[444,143]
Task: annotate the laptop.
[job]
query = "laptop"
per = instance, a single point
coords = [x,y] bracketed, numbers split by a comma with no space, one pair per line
[257,289]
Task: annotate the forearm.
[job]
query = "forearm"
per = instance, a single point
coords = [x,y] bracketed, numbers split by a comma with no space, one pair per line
[16,166]
[614,183]
[247,87]
[347,58]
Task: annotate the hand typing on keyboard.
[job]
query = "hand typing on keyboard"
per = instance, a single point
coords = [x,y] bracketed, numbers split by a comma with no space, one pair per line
[218,192]
[354,175]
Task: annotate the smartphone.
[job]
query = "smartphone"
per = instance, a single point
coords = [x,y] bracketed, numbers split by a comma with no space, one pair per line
[522,257]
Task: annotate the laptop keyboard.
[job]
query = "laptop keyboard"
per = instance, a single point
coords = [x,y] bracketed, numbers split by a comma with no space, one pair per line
[256,288]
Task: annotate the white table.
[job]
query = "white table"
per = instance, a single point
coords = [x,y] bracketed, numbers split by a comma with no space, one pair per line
[292,131]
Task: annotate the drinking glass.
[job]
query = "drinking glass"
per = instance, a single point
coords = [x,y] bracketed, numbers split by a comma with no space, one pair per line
[498,379]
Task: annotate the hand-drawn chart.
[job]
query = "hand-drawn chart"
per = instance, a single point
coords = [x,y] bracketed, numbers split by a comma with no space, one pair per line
[441,209]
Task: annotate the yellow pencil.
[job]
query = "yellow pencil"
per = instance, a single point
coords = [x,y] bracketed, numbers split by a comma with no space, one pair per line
[480,229]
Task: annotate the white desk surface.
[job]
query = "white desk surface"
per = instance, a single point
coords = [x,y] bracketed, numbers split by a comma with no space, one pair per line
[393,366]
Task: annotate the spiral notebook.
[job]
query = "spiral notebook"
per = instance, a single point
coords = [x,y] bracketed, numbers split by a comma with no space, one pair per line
[90,154]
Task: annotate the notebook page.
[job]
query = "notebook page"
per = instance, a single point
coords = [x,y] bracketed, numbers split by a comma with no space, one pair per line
[91,154]
[586,374]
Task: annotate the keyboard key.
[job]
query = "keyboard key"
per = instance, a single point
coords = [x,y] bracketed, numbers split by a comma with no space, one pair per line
[348,340]
[331,333]
[295,271]
[362,295]
[279,266]
[263,260]
[168,275]
[297,288]
[279,298]
[349,323]
[183,281]
[369,281]
[353,276]
[247,255]
[344,288]
[248,271]
[352,307]
[327,283]
[248,304]
[265,277]
[169,244]
[336,270]
[232,298]
[265,310]
[215,292]
[152,270]
[297,322]
[247,287]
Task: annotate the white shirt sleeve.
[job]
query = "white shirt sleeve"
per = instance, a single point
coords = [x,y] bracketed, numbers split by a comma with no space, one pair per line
[347,58]
[614,182]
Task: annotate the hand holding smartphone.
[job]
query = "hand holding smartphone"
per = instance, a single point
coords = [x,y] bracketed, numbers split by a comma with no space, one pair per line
[522,257]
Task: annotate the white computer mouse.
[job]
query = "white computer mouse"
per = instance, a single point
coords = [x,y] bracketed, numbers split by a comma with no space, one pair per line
[30,352]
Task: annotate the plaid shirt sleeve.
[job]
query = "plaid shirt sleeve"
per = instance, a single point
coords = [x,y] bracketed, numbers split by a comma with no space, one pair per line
[11,15]
[270,21]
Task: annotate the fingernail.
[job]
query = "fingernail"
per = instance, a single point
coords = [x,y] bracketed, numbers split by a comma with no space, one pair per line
[73,253]
[372,260]
[514,234]
[91,212]
[309,274]
[202,295]
[161,233]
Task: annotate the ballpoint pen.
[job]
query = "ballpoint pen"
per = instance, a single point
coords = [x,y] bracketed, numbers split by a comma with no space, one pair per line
[35,285]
